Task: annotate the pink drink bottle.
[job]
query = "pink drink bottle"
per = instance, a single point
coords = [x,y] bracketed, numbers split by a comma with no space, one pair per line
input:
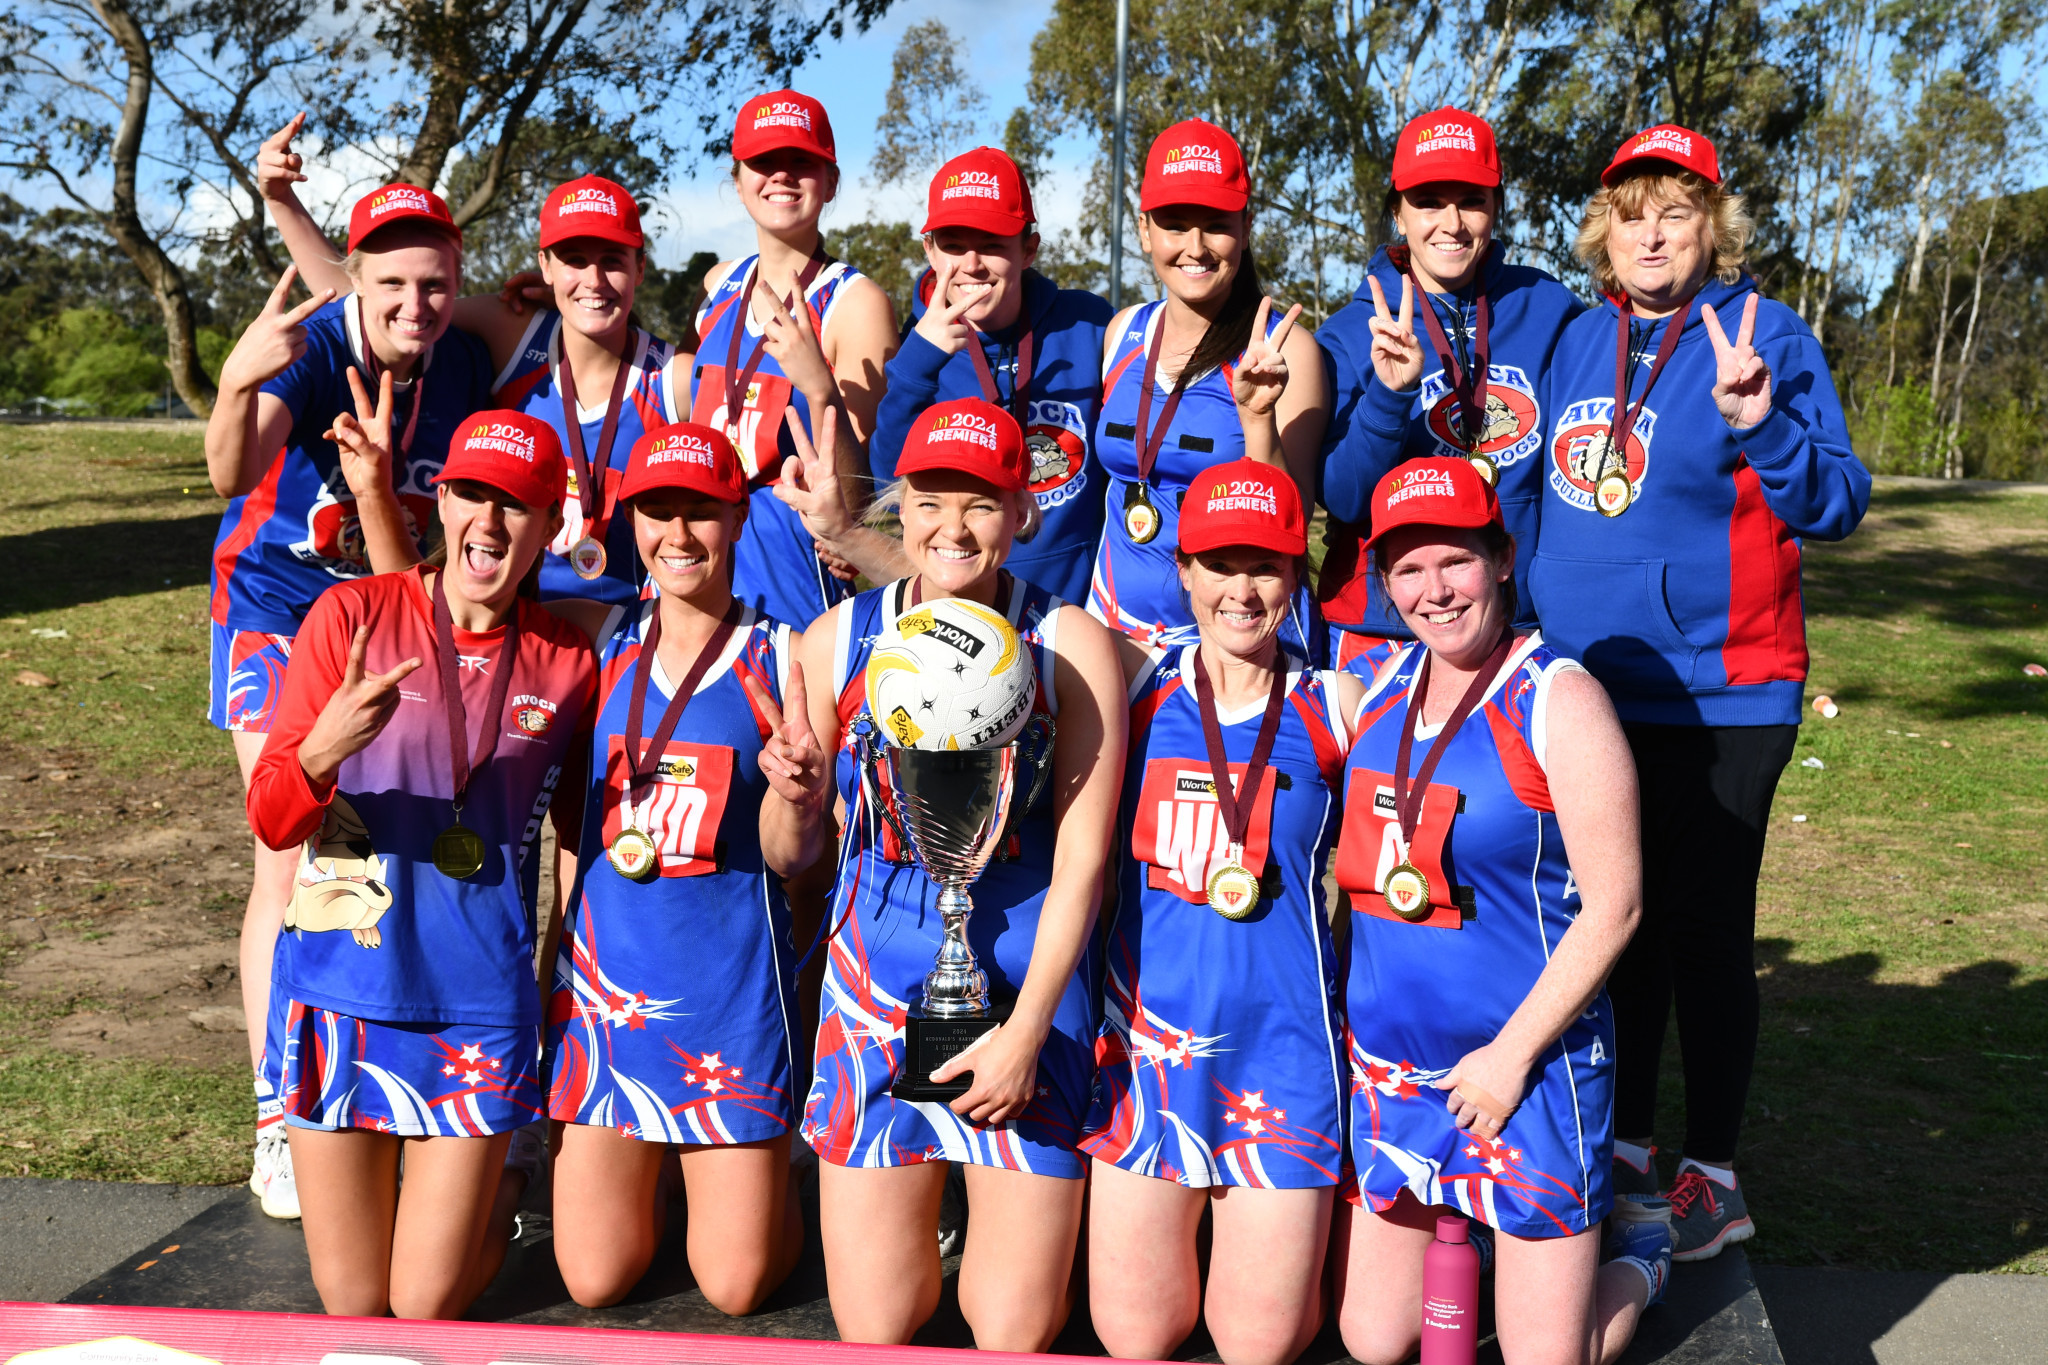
[1450,1296]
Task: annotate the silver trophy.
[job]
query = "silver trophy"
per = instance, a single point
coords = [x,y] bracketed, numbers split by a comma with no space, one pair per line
[952,811]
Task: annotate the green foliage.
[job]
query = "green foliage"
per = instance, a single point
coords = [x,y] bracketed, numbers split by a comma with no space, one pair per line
[1897,433]
[890,254]
[99,367]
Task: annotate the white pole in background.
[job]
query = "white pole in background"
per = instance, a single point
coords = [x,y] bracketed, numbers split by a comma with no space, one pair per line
[1116,165]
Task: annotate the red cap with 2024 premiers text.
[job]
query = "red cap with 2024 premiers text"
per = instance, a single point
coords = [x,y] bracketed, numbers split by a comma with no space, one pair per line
[685,455]
[1243,503]
[779,119]
[1195,162]
[1445,491]
[980,189]
[970,436]
[1667,143]
[1446,144]
[399,204]
[509,451]
[590,206]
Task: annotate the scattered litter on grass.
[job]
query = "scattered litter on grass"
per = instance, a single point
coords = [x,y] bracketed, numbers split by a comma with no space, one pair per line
[1826,706]
[47,633]
[1912,734]
[1891,732]
[1946,745]
[15,621]
[2035,671]
[1811,763]
[2013,1056]
[1798,819]
[28,677]
[1962,845]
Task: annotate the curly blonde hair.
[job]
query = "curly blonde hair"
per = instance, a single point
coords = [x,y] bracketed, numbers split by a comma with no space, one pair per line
[1729,226]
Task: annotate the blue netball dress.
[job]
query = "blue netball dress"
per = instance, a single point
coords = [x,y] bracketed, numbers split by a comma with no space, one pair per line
[776,569]
[1419,996]
[673,1006]
[1136,587]
[1220,1053]
[531,383]
[886,932]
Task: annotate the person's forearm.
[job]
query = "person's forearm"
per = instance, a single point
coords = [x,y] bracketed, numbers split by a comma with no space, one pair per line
[386,540]
[234,463]
[1261,438]
[1569,982]
[319,265]
[879,557]
[792,834]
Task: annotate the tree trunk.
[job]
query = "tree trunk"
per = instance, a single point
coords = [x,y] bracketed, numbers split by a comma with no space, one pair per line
[123,220]
[440,126]
[1953,450]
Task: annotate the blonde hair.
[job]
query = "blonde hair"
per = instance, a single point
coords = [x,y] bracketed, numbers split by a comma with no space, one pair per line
[1729,226]
[889,498]
[352,264]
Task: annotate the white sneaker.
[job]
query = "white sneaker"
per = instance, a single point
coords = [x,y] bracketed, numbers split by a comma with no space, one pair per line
[272,1179]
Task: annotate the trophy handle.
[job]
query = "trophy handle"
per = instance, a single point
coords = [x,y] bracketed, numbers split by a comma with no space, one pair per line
[866,757]
[1034,754]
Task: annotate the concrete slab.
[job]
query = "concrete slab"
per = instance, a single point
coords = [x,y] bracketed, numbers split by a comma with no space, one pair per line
[57,1234]
[1875,1317]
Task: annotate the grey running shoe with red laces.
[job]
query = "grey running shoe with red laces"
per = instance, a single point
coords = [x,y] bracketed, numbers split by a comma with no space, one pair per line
[1708,1216]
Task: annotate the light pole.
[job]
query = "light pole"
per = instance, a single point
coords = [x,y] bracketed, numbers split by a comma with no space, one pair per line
[1116,165]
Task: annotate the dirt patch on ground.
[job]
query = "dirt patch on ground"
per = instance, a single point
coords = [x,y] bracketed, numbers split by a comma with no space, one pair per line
[120,899]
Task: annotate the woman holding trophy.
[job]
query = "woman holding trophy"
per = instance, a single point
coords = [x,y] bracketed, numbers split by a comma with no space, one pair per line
[964,500]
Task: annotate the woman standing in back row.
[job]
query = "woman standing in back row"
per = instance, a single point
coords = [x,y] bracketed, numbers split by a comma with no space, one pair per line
[1682,470]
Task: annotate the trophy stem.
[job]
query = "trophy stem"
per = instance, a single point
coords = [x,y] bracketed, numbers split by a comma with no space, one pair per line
[956,987]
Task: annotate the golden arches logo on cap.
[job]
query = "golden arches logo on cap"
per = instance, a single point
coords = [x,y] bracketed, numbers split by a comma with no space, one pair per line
[763,112]
[480,430]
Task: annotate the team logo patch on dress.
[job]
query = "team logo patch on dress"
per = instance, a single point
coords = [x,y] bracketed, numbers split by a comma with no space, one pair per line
[1586,469]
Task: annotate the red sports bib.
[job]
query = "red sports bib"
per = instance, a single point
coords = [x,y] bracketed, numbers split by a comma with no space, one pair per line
[1179,834]
[680,810]
[756,432]
[1371,846]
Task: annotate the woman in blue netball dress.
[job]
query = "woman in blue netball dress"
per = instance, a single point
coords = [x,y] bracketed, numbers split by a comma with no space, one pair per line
[884,1160]
[1489,851]
[1223,1091]
[673,1007]
[1169,373]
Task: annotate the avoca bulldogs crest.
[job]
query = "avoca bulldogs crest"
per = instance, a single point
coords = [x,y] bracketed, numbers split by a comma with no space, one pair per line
[1057,441]
[1581,455]
[1513,428]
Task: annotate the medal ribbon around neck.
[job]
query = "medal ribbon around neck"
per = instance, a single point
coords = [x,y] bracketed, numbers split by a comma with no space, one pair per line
[461,763]
[1624,423]
[594,516]
[1235,808]
[640,769]
[1468,385]
[373,370]
[1149,439]
[1020,404]
[737,377]
[1407,795]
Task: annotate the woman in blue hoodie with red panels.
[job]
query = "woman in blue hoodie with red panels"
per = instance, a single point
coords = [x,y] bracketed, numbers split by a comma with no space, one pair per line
[1668,563]
[1443,326]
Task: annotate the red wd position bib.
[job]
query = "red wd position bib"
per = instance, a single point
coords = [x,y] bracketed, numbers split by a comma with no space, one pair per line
[679,809]
[1371,848]
[1180,834]
[756,430]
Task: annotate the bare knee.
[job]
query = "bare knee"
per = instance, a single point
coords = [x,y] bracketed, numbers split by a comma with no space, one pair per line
[354,1301]
[738,1284]
[429,1301]
[1021,1327]
[1129,1332]
[1377,1339]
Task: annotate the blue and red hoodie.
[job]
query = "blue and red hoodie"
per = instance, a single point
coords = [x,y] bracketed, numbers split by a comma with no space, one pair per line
[1687,605]
[1065,393]
[1373,428]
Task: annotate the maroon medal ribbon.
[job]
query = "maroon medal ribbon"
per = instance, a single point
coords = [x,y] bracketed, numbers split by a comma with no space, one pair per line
[1408,796]
[461,762]
[587,475]
[1020,404]
[737,377]
[1149,439]
[1235,808]
[641,768]
[1468,385]
[1623,423]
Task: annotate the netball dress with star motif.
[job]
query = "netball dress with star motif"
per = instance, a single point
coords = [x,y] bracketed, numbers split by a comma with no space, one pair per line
[1136,586]
[775,566]
[886,935]
[1419,996]
[654,396]
[1220,1049]
[403,999]
[673,1005]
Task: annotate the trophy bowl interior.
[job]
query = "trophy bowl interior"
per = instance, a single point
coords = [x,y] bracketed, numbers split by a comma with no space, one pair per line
[953,804]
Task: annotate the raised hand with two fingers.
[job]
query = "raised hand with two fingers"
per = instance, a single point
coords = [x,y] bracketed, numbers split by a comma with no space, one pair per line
[941,324]
[791,759]
[788,335]
[276,340]
[1261,375]
[809,485]
[364,442]
[1396,350]
[1742,382]
[355,715]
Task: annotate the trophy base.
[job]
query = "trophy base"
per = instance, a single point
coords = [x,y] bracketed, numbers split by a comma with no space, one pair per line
[929,1044]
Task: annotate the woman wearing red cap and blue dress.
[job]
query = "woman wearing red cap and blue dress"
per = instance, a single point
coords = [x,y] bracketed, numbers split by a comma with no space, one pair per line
[673,1008]
[1459,368]
[986,325]
[1223,1091]
[293,437]
[761,358]
[1682,470]
[964,499]
[1169,369]
[426,720]
[1489,852]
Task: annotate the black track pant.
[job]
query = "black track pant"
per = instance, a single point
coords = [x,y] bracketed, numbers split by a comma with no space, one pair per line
[1706,793]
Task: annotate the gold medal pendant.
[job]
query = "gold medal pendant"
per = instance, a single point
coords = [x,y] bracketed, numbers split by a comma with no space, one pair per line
[634,855]
[1233,891]
[1613,493]
[459,852]
[1407,892]
[587,558]
[1488,470]
[1141,518]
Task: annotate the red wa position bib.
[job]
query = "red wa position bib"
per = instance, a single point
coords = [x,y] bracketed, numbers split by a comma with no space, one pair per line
[1371,847]
[1180,835]
[680,810]
[756,430]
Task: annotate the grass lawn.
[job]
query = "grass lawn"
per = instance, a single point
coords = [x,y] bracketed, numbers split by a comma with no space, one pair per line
[1902,931]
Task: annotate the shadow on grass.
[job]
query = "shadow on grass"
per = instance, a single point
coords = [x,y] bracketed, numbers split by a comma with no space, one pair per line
[1887,1120]
[69,566]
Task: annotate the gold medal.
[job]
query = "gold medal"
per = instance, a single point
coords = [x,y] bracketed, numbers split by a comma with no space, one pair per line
[586,557]
[1141,518]
[1613,493]
[1488,470]
[634,855]
[1407,892]
[459,852]
[1233,891]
